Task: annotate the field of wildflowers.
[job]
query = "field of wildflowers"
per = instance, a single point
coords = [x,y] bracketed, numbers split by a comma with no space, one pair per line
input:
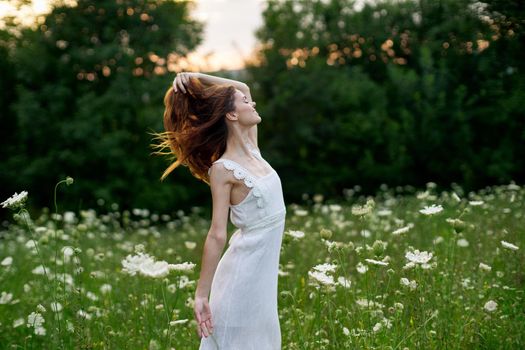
[405,269]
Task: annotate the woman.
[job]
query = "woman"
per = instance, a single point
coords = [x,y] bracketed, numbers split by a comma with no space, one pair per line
[211,127]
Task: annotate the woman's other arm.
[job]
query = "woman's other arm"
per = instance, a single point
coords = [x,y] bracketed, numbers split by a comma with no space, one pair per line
[216,239]
[221,185]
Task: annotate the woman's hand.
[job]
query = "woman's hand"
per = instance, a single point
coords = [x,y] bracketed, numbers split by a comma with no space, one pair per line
[203,316]
[181,80]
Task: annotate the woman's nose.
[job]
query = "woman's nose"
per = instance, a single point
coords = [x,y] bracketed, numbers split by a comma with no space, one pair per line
[254,103]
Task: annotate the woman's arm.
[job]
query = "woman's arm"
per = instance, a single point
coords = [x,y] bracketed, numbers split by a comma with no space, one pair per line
[221,185]
[252,133]
[210,79]
[182,78]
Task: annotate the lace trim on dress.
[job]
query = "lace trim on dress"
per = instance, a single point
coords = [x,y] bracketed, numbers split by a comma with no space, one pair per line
[242,174]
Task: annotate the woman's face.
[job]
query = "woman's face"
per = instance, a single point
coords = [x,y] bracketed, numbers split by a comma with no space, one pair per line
[245,109]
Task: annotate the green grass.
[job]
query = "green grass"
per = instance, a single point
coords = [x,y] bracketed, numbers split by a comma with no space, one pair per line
[105,308]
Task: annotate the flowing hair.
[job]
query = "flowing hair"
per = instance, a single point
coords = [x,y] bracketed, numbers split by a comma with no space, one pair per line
[195,127]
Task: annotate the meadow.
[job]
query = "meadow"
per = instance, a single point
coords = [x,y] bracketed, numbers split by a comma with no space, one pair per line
[404,269]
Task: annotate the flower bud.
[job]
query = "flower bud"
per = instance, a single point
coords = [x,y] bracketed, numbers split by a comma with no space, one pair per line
[326,234]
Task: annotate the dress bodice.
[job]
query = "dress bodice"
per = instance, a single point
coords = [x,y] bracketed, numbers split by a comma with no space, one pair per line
[263,203]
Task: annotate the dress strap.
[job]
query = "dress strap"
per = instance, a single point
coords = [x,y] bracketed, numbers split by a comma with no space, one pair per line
[240,172]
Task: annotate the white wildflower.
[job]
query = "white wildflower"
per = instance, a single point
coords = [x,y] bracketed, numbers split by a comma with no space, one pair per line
[68,251]
[56,306]
[15,201]
[418,257]
[484,267]
[344,282]
[401,230]
[321,277]
[408,283]
[332,244]
[475,203]
[462,242]
[369,303]
[105,288]
[132,263]
[335,207]
[364,209]
[376,262]
[36,321]
[173,323]
[490,306]
[361,268]
[433,209]
[7,261]
[295,234]
[155,269]
[325,268]
[190,245]
[300,212]
[509,245]
[185,266]
[6,298]
[40,270]
[18,322]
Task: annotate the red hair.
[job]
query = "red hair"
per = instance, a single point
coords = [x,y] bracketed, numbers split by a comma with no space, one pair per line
[195,126]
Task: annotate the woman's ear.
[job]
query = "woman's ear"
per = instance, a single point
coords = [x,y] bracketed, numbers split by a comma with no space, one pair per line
[231,116]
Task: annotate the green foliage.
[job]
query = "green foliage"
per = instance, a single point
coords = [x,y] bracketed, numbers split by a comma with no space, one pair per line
[86,87]
[397,93]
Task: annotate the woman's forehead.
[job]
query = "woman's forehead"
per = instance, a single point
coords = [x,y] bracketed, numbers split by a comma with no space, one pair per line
[239,93]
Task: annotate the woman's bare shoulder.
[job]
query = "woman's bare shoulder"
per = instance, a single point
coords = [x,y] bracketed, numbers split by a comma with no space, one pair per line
[219,174]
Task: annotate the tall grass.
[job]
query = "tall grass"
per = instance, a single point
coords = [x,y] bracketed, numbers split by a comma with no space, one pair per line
[365,273]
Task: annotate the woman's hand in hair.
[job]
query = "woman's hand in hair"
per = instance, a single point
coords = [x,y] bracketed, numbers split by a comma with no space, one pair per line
[182,79]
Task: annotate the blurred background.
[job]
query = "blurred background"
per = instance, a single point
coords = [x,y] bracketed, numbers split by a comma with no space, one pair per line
[353,94]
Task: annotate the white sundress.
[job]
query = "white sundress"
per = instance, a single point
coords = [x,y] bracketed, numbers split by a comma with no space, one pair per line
[243,295]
